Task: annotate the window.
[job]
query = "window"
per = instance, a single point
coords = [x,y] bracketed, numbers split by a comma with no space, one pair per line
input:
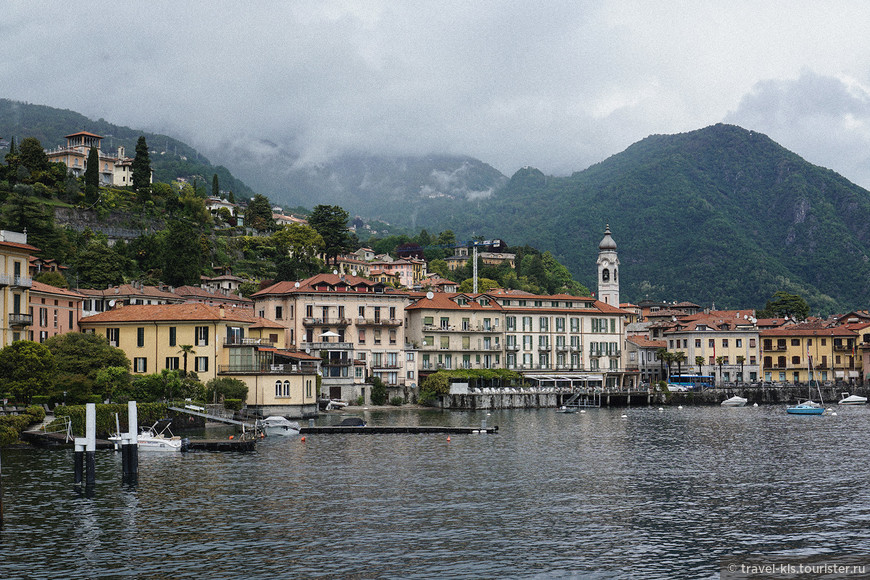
[527,322]
[201,334]
[172,337]
[795,342]
[392,312]
[361,338]
[445,323]
[697,343]
[724,343]
[362,311]
[751,343]
[428,320]
[277,388]
[392,336]
[409,356]
[560,324]
[172,363]
[795,360]
[544,323]
[428,341]
[279,313]
[43,317]
[738,342]
[466,342]
[575,324]
[445,343]
[112,334]
[377,333]
[511,322]
[711,343]
[201,364]
[140,365]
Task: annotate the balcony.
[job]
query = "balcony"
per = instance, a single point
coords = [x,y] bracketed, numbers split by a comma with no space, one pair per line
[309,321]
[545,347]
[326,346]
[512,347]
[337,362]
[241,341]
[842,347]
[20,320]
[255,369]
[378,322]
[562,348]
[386,366]
[15,281]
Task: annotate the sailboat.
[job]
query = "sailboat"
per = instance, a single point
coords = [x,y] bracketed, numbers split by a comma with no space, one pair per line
[808,407]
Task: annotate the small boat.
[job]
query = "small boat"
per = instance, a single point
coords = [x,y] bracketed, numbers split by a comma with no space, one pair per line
[734,401]
[352,422]
[157,437]
[848,399]
[336,404]
[564,409]
[806,408]
[276,425]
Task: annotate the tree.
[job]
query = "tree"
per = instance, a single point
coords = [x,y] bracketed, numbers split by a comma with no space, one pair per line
[99,265]
[225,388]
[182,254]
[296,249]
[330,221]
[27,369]
[483,285]
[111,380]
[699,360]
[141,165]
[186,349]
[439,267]
[32,156]
[679,358]
[52,278]
[379,391]
[215,186]
[92,176]
[258,215]
[79,357]
[784,304]
[12,163]
[720,360]
[740,360]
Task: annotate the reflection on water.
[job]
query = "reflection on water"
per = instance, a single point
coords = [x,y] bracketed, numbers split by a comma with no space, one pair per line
[654,495]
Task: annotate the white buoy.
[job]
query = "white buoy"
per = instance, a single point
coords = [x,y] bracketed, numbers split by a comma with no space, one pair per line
[680,407]
[754,404]
[583,411]
[660,409]
[624,416]
[834,413]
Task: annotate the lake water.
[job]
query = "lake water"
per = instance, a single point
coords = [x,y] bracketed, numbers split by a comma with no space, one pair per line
[586,495]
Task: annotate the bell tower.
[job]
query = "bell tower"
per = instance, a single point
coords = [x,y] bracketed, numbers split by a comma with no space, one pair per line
[608,270]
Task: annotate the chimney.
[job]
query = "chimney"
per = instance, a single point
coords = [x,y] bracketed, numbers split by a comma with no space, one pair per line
[223,313]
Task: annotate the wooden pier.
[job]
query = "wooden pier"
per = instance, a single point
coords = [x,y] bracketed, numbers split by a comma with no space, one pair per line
[388,429]
[60,441]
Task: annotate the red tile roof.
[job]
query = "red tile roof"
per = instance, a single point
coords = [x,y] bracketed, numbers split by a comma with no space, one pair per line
[189,312]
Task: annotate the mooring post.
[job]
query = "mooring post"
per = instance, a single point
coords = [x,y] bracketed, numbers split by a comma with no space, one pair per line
[79,459]
[132,438]
[483,424]
[90,443]
[1,492]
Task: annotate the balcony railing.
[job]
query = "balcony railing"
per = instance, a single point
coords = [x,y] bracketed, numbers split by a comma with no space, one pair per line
[512,347]
[378,322]
[246,341]
[387,365]
[254,369]
[15,281]
[18,320]
[309,321]
[326,345]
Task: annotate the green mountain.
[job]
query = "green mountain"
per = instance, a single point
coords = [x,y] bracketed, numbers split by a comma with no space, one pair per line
[170,158]
[720,215]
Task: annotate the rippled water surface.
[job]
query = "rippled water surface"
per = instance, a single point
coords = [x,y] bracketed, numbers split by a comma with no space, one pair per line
[650,495]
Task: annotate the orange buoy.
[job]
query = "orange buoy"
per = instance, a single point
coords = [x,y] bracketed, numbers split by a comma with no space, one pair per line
[231,436]
[448,438]
[303,438]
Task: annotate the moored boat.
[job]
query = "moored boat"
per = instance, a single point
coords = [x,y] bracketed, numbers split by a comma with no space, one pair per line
[157,437]
[276,425]
[848,399]
[734,401]
[805,408]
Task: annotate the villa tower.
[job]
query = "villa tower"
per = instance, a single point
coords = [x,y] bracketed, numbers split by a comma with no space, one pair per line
[608,270]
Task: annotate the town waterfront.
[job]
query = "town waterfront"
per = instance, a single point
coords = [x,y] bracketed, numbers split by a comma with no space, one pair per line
[654,494]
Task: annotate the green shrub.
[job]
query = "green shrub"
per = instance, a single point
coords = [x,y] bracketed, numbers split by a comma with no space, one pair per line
[40,399]
[379,391]
[432,386]
[17,422]
[397,401]
[360,401]
[233,404]
[36,412]
[8,435]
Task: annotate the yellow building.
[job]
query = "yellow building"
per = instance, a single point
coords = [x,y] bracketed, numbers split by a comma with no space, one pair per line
[222,343]
[789,351]
[15,283]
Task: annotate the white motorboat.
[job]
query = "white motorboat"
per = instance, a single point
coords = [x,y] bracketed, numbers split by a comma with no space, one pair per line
[157,437]
[276,425]
[336,404]
[848,399]
[734,401]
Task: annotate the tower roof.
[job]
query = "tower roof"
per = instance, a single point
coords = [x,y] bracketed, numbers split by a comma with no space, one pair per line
[607,242]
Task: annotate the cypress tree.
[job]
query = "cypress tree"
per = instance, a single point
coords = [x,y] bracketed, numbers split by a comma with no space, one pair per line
[215,187]
[92,176]
[141,165]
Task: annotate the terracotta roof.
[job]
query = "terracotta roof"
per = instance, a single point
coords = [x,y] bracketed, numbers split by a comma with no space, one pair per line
[85,133]
[348,284]
[447,301]
[17,246]
[807,330]
[644,342]
[196,291]
[191,311]
[48,289]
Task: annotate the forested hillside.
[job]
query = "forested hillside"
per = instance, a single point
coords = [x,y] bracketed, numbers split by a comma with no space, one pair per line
[720,215]
[170,158]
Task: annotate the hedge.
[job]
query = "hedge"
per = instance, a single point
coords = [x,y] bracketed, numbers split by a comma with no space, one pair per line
[148,413]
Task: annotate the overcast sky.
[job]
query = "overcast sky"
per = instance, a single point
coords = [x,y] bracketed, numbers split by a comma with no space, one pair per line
[555,85]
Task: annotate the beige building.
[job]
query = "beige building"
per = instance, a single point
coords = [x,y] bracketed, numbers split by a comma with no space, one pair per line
[456,331]
[114,170]
[224,343]
[15,284]
[355,326]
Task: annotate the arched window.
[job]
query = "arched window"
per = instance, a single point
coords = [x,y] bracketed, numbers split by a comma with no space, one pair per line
[277,388]
[286,388]
[605,275]
[615,275]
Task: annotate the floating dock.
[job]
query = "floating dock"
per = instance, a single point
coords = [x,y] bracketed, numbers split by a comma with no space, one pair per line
[328,429]
[60,441]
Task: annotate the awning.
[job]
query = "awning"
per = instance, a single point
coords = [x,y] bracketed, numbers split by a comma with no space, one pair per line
[853,374]
[839,374]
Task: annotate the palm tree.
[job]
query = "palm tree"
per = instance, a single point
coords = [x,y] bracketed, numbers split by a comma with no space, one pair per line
[699,360]
[719,361]
[663,356]
[185,350]
[740,360]
[679,358]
